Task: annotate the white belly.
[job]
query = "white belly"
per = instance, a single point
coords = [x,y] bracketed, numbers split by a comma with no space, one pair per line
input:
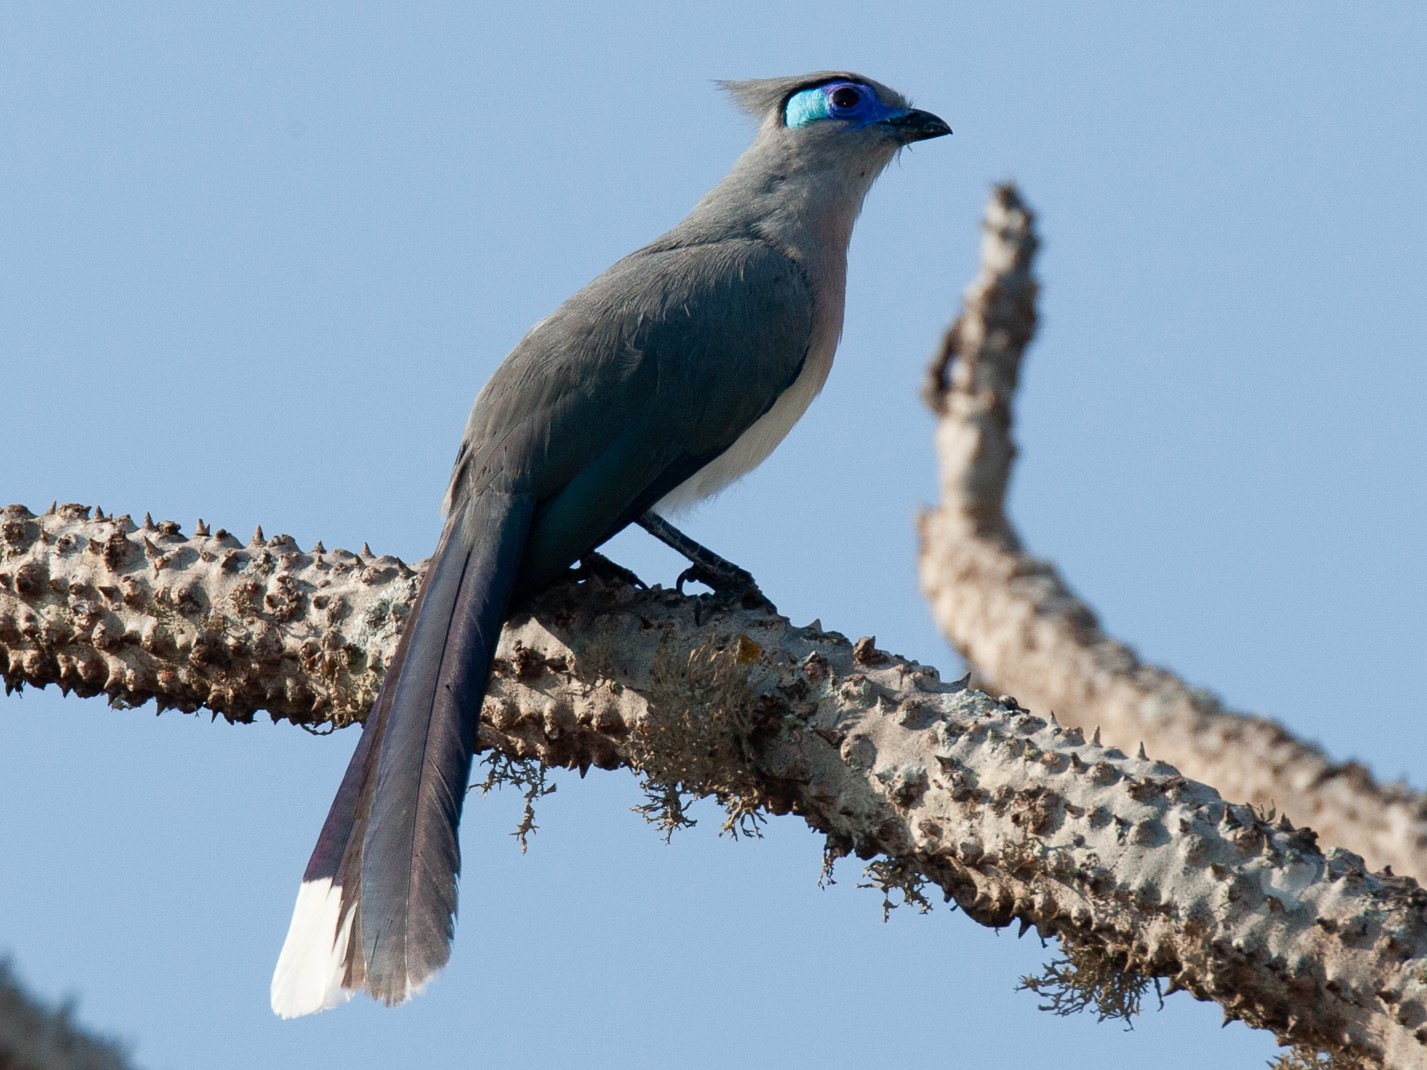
[755,444]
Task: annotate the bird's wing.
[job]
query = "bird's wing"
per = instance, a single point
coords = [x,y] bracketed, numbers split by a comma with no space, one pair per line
[631,386]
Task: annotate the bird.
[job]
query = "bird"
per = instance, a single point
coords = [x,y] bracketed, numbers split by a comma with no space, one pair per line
[662,381]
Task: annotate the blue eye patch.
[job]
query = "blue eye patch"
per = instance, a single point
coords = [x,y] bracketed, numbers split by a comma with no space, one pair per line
[850,101]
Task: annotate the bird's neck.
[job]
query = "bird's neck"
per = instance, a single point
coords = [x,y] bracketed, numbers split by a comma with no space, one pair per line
[806,207]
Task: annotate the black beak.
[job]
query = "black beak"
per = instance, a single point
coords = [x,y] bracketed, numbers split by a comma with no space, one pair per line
[917,125]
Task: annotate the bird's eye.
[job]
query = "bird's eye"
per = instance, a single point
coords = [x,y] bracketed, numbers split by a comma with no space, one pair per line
[845,98]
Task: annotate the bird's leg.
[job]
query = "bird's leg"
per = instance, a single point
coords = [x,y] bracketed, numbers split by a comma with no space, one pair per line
[595,566]
[706,567]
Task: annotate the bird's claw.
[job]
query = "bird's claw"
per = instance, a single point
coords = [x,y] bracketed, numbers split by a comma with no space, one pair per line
[596,566]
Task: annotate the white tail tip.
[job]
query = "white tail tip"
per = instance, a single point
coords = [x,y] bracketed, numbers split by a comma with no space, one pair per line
[313,962]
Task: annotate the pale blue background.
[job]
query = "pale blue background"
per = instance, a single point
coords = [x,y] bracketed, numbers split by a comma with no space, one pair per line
[255,262]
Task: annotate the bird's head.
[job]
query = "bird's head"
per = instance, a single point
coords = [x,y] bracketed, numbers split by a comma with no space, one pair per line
[822,141]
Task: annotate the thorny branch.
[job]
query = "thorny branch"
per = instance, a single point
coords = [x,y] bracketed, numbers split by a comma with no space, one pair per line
[1012,817]
[1026,633]
[34,1036]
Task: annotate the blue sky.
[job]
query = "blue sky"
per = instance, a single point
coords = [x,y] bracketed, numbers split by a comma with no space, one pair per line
[255,262]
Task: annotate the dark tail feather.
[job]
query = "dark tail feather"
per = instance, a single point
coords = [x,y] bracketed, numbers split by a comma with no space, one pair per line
[377,904]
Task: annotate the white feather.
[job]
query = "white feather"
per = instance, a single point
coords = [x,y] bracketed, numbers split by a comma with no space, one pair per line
[313,962]
[753,446]
[818,242]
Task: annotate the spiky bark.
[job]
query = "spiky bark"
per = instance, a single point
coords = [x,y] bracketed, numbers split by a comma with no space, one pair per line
[1026,632]
[1014,818]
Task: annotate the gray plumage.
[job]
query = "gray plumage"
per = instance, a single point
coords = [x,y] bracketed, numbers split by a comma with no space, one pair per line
[666,378]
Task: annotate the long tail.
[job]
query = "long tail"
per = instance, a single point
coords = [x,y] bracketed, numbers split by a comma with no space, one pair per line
[377,905]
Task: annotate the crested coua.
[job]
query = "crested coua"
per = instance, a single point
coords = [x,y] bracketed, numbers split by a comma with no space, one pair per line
[662,381]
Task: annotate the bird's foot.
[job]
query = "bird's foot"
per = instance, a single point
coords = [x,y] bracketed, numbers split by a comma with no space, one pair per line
[730,584]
